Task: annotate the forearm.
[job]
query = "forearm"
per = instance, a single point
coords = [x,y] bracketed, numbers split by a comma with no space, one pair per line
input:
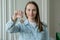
[9,25]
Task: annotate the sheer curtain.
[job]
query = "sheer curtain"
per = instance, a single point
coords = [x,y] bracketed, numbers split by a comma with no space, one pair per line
[6,9]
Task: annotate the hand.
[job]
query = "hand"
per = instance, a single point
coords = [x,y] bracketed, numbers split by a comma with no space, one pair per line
[17,14]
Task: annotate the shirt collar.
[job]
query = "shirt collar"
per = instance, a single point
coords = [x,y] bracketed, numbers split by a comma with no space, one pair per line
[26,22]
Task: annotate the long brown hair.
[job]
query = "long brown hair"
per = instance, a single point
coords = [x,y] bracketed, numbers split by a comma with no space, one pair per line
[37,18]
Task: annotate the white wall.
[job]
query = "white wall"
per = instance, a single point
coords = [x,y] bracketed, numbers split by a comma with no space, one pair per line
[54,17]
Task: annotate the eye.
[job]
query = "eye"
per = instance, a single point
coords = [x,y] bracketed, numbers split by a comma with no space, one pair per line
[34,9]
[28,9]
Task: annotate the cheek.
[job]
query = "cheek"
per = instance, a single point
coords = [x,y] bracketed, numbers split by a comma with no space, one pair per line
[27,14]
[34,13]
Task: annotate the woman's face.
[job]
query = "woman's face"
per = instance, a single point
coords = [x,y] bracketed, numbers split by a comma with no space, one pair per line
[31,11]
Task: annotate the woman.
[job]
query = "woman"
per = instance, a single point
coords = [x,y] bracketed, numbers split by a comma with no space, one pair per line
[32,28]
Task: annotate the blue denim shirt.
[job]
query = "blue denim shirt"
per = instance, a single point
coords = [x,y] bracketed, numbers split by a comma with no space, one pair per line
[27,32]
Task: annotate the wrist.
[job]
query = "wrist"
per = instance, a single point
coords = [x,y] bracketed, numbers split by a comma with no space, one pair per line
[13,19]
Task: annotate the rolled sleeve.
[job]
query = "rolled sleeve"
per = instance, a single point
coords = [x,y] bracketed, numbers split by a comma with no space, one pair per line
[12,27]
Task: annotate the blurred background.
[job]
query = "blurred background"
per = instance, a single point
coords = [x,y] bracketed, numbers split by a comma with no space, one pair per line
[49,14]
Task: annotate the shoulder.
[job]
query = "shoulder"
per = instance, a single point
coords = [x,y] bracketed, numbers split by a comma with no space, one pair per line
[44,25]
[26,22]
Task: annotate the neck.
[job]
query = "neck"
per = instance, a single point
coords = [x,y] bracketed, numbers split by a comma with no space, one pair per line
[31,20]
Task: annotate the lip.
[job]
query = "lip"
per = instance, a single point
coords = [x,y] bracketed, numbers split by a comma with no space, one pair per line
[31,15]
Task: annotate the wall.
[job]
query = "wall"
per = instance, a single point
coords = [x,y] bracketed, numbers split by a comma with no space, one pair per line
[54,17]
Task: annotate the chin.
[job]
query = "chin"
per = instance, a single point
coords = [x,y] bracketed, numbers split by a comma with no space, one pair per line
[32,17]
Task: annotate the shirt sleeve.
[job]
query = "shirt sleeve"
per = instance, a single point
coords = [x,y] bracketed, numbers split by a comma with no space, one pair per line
[46,34]
[12,27]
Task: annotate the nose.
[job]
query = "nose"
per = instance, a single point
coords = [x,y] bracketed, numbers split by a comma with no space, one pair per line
[31,12]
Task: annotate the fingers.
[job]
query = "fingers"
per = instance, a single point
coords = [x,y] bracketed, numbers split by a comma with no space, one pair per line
[18,13]
[15,13]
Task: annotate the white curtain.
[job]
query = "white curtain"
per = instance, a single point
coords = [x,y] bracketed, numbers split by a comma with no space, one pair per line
[6,9]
